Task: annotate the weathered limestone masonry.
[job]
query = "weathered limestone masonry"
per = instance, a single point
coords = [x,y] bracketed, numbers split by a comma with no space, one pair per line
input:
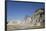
[39,17]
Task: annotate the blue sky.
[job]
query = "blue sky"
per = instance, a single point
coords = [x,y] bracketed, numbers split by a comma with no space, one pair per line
[18,10]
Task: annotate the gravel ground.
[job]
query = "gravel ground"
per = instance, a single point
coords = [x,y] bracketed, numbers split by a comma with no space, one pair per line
[22,27]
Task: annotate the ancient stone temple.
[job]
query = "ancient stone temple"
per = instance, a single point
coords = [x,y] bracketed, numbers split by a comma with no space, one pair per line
[39,17]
